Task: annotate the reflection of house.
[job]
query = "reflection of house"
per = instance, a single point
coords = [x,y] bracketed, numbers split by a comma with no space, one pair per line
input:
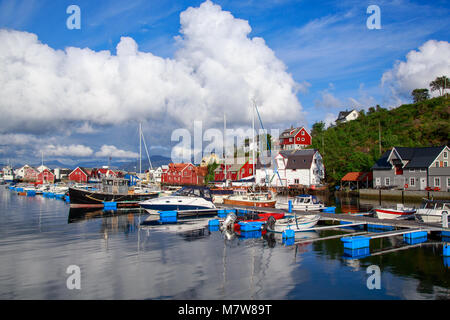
[357,180]
[294,139]
[413,168]
[346,116]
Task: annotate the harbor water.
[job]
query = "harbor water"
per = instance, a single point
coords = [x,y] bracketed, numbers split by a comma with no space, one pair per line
[40,238]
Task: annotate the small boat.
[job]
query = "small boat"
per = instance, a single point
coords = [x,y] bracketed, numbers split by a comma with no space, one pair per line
[302,202]
[243,198]
[399,213]
[256,217]
[432,211]
[187,198]
[292,222]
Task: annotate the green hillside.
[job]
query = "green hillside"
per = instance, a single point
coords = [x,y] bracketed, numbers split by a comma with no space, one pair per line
[354,146]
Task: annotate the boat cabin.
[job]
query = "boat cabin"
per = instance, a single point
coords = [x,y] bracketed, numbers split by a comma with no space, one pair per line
[306,199]
[115,185]
[436,205]
[194,191]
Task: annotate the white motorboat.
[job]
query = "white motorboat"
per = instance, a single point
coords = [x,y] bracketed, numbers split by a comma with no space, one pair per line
[304,202]
[187,198]
[399,213]
[292,222]
[432,211]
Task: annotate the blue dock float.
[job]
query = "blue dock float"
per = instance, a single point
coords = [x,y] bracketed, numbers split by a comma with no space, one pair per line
[288,234]
[356,253]
[379,227]
[19,189]
[110,205]
[357,242]
[224,212]
[446,250]
[415,237]
[167,216]
[213,223]
[256,234]
[290,206]
[329,209]
[250,226]
[67,198]
[31,193]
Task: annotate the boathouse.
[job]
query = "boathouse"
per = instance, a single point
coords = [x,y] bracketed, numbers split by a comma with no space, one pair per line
[80,174]
[357,180]
[45,176]
[182,174]
[424,168]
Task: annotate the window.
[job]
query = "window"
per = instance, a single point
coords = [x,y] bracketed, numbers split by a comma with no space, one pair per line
[303,133]
[250,171]
[290,139]
[412,182]
[412,170]
[437,182]
[448,182]
[387,181]
[437,164]
[445,164]
[445,155]
[296,181]
[298,139]
[423,170]
[303,139]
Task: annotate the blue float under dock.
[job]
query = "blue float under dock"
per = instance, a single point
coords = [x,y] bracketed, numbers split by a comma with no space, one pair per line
[111,205]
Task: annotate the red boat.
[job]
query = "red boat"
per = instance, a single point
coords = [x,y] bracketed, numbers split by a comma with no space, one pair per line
[256,217]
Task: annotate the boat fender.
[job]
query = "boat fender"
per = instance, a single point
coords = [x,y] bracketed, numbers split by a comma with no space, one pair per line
[270,224]
[229,221]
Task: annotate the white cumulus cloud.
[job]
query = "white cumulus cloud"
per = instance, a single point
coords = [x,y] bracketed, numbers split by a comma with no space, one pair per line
[431,60]
[74,150]
[217,66]
[112,151]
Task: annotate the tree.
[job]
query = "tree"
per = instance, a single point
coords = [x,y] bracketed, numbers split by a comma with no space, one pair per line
[440,84]
[210,175]
[420,95]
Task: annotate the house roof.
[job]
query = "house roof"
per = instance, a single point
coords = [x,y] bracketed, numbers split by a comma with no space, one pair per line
[357,176]
[289,133]
[299,159]
[343,114]
[419,157]
[416,157]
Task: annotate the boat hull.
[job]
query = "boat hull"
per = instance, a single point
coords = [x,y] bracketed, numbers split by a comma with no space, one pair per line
[394,214]
[251,203]
[297,224]
[80,198]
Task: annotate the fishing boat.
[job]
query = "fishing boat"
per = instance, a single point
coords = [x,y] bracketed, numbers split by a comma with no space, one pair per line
[112,190]
[399,213]
[292,222]
[187,198]
[244,198]
[432,211]
[302,202]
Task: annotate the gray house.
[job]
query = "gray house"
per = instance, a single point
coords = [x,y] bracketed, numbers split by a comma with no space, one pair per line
[413,168]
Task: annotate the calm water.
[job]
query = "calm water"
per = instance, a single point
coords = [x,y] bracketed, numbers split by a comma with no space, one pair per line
[40,238]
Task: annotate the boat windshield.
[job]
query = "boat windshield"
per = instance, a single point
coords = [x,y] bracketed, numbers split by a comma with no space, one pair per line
[193,192]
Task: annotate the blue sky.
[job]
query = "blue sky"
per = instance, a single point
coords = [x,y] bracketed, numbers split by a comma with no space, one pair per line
[336,61]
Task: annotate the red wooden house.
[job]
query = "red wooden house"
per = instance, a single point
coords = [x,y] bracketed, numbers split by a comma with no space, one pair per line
[182,174]
[45,176]
[294,139]
[30,174]
[235,171]
[80,174]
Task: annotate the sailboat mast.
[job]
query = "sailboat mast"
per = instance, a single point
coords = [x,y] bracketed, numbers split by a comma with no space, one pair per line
[140,147]
[253,139]
[225,147]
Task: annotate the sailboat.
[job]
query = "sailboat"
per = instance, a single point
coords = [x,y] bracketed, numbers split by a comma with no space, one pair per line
[252,199]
